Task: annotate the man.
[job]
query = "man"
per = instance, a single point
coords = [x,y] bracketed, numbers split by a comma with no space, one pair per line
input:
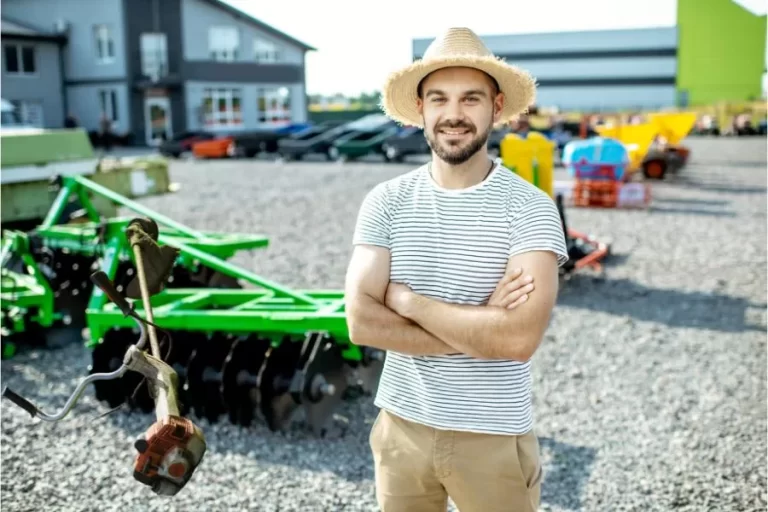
[437,279]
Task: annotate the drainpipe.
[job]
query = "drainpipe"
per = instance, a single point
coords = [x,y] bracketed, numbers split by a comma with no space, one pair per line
[62,73]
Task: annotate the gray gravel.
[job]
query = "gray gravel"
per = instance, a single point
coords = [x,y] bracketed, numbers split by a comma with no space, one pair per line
[650,387]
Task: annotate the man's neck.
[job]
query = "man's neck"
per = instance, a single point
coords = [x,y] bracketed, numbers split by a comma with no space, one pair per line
[465,175]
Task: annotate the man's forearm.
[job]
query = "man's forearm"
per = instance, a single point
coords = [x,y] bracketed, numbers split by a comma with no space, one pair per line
[373,324]
[479,331]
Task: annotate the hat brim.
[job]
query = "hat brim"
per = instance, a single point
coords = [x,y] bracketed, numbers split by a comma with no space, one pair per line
[399,95]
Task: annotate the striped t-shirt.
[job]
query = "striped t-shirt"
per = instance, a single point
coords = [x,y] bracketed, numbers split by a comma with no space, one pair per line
[453,246]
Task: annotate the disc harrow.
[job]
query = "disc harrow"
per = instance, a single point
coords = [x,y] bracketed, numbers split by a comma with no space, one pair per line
[245,349]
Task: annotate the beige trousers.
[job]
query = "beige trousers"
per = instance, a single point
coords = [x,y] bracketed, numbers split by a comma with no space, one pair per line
[418,467]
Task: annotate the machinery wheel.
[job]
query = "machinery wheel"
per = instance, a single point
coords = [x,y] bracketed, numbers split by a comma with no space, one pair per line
[655,169]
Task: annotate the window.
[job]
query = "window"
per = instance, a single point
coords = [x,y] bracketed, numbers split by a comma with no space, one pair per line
[154,55]
[222,108]
[30,112]
[19,59]
[275,106]
[108,104]
[265,51]
[105,44]
[223,43]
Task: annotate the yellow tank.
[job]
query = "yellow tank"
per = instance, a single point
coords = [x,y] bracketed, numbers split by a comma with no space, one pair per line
[543,166]
[533,159]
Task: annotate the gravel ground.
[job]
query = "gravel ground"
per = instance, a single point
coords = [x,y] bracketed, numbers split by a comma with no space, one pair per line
[650,389]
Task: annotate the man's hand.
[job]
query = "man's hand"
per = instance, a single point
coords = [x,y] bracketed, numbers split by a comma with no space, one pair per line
[512,290]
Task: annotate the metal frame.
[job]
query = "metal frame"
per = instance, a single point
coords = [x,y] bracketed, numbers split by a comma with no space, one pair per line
[269,308]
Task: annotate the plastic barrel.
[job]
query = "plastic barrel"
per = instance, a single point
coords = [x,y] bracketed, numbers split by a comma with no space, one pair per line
[516,154]
[543,151]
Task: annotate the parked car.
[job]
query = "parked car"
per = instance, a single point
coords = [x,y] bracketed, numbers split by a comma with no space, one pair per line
[495,138]
[295,144]
[183,142]
[408,141]
[317,139]
[242,143]
[216,147]
[365,136]
[251,143]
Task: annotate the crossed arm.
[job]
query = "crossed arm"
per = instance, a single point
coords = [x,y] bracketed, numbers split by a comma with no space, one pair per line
[390,316]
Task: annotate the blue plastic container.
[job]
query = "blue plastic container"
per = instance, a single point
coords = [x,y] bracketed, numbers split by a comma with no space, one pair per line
[597,158]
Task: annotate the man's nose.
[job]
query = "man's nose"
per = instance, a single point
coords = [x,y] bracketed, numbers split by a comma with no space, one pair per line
[454,112]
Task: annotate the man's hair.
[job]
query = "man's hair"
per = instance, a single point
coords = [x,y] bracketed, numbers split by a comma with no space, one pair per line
[495,89]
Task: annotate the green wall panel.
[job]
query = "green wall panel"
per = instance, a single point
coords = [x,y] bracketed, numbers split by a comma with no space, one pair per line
[721,52]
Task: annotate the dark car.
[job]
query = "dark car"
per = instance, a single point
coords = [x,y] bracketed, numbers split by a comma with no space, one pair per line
[316,139]
[251,143]
[182,142]
[408,141]
[366,137]
[495,138]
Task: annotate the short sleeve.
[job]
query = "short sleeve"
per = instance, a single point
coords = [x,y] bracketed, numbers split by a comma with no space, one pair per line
[373,219]
[537,226]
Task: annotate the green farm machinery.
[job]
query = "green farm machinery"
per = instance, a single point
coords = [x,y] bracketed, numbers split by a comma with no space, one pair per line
[243,346]
[31,159]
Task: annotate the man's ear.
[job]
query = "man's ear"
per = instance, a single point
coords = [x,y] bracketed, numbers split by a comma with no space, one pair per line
[498,106]
[420,106]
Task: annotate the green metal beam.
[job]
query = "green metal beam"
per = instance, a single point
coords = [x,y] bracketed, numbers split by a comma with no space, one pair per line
[133,205]
[231,270]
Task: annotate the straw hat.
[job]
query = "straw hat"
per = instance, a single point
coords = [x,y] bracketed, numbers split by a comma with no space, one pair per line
[456,47]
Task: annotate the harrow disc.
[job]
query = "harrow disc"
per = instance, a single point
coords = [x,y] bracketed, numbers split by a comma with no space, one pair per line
[324,385]
[182,345]
[274,397]
[311,374]
[369,370]
[204,376]
[240,378]
[68,274]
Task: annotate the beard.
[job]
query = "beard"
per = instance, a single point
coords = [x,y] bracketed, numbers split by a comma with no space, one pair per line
[457,152]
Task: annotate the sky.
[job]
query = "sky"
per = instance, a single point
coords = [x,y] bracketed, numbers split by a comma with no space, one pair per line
[356,48]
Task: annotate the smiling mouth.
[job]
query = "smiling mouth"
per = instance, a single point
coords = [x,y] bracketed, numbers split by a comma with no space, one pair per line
[454,132]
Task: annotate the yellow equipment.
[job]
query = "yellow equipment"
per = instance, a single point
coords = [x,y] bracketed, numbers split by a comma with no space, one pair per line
[638,139]
[532,158]
[654,146]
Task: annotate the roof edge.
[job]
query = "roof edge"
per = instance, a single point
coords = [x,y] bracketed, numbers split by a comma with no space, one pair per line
[258,23]
[38,34]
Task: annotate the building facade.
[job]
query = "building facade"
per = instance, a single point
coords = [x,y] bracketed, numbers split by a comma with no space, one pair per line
[156,68]
[595,70]
[714,53]
[32,74]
